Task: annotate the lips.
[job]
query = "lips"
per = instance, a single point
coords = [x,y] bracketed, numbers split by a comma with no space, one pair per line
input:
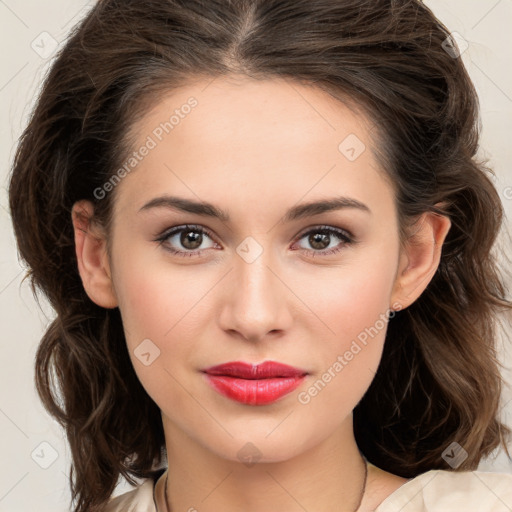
[265,370]
[250,384]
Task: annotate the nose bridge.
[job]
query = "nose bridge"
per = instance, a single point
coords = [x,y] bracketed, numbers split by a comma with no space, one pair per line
[255,303]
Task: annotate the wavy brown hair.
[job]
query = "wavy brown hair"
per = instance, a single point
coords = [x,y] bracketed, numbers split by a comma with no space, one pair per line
[439,379]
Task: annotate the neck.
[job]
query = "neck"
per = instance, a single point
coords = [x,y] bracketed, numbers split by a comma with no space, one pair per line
[328,476]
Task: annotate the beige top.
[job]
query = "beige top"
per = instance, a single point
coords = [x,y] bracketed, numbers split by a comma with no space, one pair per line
[433,491]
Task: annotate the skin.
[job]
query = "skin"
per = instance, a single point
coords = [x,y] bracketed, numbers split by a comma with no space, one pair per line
[255,149]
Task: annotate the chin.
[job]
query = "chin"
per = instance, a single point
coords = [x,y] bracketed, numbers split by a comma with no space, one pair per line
[250,449]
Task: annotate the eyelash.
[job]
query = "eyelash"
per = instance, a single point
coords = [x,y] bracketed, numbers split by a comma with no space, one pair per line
[343,235]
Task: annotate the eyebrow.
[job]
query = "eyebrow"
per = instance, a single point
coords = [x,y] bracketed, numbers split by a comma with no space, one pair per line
[296,212]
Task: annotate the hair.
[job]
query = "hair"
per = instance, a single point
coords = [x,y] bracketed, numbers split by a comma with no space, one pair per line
[439,380]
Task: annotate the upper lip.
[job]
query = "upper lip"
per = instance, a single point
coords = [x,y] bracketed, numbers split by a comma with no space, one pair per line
[265,370]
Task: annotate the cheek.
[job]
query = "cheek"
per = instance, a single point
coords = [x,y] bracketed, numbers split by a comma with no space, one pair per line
[144,307]
[362,304]
[348,359]
[166,307]
[153,311]
[356,310]
[353,299]
[153,297]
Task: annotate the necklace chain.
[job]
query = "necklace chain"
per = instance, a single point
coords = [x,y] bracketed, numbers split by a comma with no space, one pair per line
[167,509]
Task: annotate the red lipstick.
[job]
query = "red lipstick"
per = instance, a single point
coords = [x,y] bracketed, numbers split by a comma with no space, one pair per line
[254,384]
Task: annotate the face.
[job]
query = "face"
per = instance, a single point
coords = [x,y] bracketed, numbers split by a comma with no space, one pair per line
[312,291]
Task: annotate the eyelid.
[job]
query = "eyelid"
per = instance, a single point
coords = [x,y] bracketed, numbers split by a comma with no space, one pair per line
[342,233]
[169,231]
[326,227]
[198,227]
[166,233]
[346,237]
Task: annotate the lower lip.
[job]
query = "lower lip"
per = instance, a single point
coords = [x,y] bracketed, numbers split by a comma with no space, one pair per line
[254,392]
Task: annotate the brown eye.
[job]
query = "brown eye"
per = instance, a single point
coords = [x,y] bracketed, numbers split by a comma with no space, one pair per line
[185,240]
[319,239]
[191,239]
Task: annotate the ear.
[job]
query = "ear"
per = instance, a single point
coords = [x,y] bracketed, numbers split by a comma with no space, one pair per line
[92,256]
[420,258]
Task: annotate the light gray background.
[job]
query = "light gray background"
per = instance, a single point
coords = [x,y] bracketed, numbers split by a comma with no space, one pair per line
[24,425]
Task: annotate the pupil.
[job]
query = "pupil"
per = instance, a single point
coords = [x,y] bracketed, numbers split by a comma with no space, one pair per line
[319,239]
[191,240]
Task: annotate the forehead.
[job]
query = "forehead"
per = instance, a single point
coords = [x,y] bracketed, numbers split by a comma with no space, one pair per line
[265,139]
[239,106]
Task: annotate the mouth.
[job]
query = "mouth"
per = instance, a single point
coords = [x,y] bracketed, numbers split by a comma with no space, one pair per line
[254,384]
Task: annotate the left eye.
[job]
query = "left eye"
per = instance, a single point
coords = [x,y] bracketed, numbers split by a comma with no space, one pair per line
[192,237]
[322,236]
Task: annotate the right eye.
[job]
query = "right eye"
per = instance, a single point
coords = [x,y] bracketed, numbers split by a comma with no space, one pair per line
[188,237]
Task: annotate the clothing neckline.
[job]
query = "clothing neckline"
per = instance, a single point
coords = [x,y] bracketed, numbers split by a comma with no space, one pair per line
[161,473]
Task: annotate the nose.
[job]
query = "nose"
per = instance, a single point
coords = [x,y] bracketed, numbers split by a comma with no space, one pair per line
[255,300]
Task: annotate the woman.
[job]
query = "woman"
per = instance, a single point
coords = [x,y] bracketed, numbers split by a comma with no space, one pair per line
[268,244]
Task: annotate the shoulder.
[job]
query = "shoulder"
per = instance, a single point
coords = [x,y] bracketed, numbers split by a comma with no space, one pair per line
[139,499]
[452,491]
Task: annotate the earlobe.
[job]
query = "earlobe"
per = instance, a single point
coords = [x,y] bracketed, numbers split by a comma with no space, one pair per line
[92,257]
[421,257]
